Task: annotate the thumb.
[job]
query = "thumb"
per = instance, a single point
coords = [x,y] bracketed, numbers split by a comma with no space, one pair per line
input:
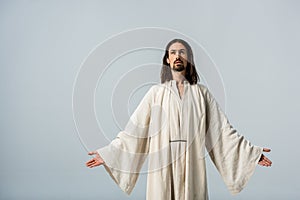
[92,153]
[266,150]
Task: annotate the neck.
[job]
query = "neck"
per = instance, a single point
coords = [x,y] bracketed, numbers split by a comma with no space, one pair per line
[179,76]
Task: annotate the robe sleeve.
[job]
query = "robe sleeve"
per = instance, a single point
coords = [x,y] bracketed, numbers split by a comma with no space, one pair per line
[125,155]
[234,156]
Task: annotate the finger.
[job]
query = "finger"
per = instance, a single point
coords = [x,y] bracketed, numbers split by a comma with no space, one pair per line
[267,160]
[261,163]
[264,158]
[264,163]
[94,162]
[266,150]
[94,165]
[269,163]
[89,164]
[90,161]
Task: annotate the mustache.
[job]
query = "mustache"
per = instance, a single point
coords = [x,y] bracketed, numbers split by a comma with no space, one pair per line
[178,59]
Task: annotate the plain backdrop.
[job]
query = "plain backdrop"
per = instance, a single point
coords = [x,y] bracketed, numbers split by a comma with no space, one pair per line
[255,45]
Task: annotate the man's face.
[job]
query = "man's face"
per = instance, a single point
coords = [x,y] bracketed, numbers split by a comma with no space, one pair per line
[177,57]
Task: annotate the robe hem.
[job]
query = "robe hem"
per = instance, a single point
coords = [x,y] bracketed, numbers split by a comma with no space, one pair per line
[125,189]
[242,184]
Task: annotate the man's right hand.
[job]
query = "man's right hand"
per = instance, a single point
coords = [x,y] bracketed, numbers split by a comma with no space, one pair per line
[96,161]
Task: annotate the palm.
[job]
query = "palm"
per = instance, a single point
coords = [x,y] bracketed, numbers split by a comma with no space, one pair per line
[264,161]
[96,161]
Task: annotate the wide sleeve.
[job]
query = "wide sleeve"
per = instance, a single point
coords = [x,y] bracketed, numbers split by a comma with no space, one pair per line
[125,155]
[234,156]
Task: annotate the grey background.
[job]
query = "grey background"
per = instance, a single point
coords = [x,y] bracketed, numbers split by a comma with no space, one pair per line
[255,45]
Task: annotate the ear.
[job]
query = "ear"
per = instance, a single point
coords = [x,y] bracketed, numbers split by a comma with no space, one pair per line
[168,61]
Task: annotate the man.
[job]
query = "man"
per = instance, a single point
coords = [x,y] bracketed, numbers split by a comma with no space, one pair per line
[171,127]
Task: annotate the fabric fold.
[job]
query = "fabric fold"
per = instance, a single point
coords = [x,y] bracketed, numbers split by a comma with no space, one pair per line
[177,170]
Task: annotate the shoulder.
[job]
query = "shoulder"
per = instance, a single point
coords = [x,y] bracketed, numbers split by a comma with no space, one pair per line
[159,87]
[155,90]
[204,92]
[202,89]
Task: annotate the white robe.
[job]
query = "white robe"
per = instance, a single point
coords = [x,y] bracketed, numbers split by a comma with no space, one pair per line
[172,133]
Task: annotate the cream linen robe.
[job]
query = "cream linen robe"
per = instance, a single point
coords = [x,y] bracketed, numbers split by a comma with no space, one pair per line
[172,133]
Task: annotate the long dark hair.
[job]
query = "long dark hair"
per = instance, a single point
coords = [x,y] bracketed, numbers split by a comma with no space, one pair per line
[191,73]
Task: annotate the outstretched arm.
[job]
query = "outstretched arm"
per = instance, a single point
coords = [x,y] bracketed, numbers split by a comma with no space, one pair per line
[124,156]
[264,161]
[233,155]
[96,161]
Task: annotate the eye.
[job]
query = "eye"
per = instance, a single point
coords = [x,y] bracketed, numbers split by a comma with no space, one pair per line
[182,52]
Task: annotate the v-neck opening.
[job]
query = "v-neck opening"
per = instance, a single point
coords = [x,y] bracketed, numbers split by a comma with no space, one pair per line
[174,86]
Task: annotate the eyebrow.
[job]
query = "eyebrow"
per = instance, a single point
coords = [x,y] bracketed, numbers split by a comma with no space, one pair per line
[178,50]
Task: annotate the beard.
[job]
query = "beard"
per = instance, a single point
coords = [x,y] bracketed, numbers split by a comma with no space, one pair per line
[178,67]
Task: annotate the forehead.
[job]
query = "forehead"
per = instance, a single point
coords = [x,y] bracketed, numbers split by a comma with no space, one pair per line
[177,46]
